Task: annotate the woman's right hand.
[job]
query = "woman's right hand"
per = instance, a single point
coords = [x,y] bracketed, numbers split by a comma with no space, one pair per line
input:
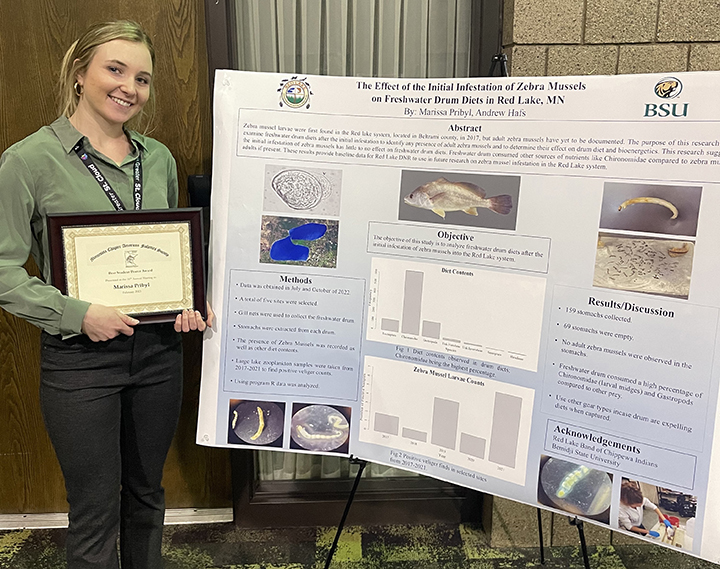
[104,323]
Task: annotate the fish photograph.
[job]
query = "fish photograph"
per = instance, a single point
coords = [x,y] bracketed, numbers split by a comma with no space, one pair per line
[441,195]
[461,199]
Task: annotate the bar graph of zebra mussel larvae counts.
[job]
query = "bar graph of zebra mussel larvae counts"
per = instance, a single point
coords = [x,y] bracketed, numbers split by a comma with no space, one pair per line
[488,315]
[475,423]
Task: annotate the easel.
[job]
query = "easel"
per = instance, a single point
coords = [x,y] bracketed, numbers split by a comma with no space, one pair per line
[498,60]
[581,533]
[362,464]
[583,545]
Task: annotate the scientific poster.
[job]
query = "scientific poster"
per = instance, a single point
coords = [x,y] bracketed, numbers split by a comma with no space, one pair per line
[506,283]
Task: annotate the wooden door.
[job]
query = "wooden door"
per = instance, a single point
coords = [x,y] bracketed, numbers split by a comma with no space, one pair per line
[33,38]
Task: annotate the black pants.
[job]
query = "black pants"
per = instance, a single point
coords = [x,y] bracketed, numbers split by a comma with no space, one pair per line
[111,409]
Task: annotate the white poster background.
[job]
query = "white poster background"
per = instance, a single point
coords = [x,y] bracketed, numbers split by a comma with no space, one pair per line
[623,381]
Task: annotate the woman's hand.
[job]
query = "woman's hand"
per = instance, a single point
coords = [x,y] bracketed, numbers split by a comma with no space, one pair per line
[104,323]
[661,517]
[192,320]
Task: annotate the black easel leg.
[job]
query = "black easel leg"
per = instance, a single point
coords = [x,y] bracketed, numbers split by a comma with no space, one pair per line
[501,60]
[540,536]
[583,545]
[362,464]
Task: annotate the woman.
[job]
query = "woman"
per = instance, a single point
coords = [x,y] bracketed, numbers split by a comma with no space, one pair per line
[632,504]
[110,390]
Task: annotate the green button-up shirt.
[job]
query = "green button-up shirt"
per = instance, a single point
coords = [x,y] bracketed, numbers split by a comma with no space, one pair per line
[42,174]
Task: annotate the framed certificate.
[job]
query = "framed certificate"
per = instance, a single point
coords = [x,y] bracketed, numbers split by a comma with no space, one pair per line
[149,264]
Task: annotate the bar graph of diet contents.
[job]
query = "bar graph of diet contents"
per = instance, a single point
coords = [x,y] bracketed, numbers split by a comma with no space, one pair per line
[488,315]
[478,424]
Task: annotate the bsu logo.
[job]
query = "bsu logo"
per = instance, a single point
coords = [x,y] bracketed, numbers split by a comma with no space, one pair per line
[667,88]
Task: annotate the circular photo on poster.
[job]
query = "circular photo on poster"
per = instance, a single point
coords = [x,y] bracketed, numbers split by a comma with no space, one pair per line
[575,488]
[320,428]
[257,422]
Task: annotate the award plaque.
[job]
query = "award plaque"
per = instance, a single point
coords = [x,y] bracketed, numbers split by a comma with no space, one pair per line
[148,264]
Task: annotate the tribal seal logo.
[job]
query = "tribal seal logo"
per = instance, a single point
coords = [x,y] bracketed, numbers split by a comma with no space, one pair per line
[668,88]
[295,93]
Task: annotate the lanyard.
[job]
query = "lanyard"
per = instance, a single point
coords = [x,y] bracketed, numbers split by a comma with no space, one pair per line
[106,187]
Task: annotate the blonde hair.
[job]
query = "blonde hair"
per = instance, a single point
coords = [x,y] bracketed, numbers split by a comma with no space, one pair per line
[80,54]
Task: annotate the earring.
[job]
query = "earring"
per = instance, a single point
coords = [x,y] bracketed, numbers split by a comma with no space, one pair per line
[78,89]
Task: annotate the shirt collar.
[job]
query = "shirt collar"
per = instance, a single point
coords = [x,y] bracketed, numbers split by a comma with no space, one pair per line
[69,136]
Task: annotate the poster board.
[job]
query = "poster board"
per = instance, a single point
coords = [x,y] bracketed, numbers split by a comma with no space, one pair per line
[505,283]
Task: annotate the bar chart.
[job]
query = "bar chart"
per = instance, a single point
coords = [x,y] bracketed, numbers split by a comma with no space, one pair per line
[478,424]
[488,315]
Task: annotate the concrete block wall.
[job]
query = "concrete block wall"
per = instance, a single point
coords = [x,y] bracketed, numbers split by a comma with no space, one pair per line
[607,37]
[597,37]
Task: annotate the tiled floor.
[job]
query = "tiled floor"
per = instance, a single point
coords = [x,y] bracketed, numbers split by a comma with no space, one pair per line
[223,546]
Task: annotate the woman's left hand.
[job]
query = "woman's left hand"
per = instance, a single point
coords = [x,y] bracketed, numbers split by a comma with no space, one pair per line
[189,320]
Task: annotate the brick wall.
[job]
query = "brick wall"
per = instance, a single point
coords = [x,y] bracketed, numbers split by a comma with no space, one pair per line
[607,37]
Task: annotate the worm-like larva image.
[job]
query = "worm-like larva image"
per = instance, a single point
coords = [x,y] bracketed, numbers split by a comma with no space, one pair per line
[678,251]
[261,424]
[572,478]
[656,201]
[319,427]
[258,422]
[575,488]
[655,266]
